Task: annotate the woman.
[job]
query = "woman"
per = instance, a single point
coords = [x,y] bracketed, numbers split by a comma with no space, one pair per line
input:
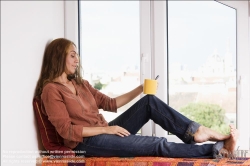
[72,104]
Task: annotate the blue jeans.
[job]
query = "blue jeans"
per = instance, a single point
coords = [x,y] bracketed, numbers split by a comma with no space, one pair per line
[149,107]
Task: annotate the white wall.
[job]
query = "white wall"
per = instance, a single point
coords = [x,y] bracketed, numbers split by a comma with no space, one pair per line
[26,27]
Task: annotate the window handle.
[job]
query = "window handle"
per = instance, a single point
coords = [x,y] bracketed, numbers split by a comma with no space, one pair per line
[144,60]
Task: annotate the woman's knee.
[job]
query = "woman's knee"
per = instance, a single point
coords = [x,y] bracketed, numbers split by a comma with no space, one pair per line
[150,97]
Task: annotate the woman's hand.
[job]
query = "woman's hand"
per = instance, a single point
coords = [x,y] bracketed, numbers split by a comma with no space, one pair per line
[117,130]
[92,131]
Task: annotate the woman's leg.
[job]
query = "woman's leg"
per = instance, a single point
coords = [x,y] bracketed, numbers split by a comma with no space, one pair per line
[150,107]
[134,146]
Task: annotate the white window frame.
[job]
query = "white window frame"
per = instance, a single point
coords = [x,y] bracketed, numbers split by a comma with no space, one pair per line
[145,54]
[153,53]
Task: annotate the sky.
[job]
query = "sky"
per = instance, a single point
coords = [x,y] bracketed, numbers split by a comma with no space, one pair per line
[110,33]
[197,29]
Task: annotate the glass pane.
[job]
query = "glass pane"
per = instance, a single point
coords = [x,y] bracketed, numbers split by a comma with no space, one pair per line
[202,62]
[110,48]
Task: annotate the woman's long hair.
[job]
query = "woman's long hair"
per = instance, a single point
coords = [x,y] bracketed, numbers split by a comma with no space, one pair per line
[54,62]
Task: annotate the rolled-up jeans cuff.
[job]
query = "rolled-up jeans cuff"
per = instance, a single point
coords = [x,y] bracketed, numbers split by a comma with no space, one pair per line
[189,135]
[216,149]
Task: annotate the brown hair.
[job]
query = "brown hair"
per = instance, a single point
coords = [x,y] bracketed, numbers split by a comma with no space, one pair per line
[54,64]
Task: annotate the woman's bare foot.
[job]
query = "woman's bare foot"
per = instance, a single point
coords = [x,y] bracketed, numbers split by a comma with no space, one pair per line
[224,153]
[230,143]
[206,134]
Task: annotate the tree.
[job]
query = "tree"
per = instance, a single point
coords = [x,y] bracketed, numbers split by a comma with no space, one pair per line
[98,86]
[209,115]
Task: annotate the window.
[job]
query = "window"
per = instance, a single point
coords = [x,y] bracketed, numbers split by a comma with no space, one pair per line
[202,62]
[110,47]
[155,46]
[238,49]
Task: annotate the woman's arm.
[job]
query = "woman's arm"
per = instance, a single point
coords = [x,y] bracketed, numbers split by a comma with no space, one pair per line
[127,97]
[92,131]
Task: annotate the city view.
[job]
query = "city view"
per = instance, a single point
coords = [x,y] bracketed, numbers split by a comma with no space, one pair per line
[201,53]
[214,82]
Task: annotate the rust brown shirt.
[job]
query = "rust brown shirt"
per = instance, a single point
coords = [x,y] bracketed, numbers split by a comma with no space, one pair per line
[69,113]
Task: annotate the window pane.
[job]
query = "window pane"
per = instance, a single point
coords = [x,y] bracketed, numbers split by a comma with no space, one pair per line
[202,61]
[110,47]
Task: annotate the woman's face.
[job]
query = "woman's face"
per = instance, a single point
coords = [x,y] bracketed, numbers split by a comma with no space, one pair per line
[72,60]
